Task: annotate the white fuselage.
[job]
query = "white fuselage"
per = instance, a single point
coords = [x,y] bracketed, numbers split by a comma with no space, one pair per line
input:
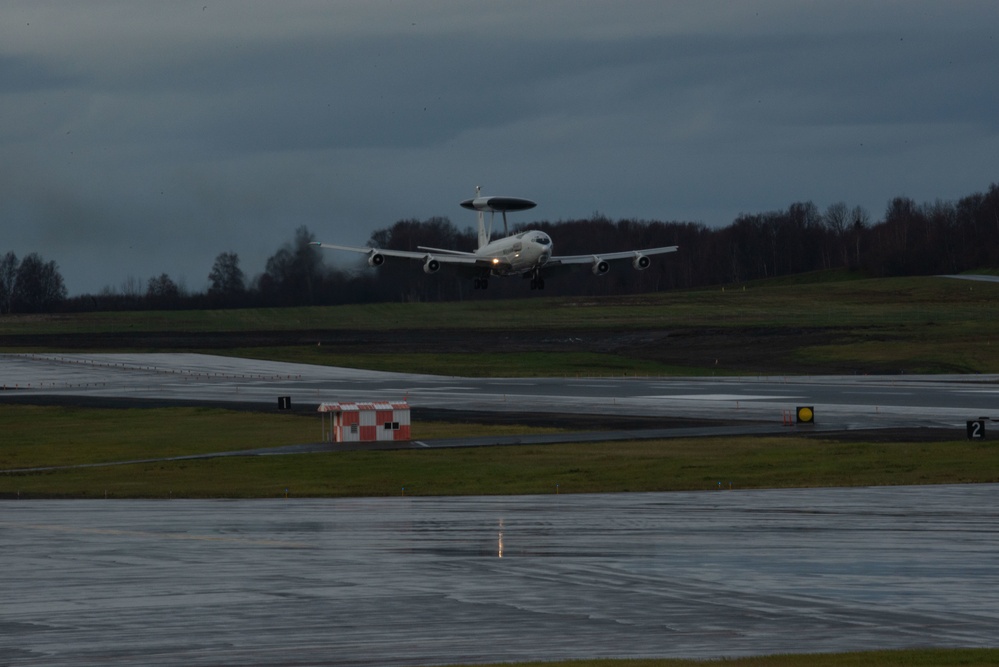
[528,254]
[518,254]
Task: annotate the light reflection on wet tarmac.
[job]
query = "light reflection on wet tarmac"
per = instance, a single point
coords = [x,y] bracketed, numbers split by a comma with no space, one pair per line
[426,581]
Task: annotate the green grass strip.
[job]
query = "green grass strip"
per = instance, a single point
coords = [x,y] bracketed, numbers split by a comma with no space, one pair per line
[655,465]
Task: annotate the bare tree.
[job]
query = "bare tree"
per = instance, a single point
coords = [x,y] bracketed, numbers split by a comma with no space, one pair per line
[860,221]
[294,273]
[227,280]
[39,286]
[162,287]
[837,218]
[131,287]
[8,278]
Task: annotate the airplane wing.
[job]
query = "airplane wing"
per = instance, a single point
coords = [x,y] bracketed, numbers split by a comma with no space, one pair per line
[432,258]
[373,251]
[636,256]
[448,252]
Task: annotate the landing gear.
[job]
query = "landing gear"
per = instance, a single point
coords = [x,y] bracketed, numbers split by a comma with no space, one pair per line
[481,283]
[537,283]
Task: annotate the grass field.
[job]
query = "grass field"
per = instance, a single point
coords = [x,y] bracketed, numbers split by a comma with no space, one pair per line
[821,300]
[810,324]
[44,436]
[56,436]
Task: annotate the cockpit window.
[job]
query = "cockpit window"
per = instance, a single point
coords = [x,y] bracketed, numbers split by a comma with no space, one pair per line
[542,239]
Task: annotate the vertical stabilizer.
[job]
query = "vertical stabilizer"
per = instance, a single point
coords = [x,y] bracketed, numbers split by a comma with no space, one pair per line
[485,235]
[482,204]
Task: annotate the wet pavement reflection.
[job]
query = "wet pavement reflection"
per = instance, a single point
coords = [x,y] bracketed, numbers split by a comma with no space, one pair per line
[429,581]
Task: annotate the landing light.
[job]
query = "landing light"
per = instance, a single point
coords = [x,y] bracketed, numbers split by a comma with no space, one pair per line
[495,260]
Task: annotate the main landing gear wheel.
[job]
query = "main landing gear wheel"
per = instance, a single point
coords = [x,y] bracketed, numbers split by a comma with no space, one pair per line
[537,283]
[482,283]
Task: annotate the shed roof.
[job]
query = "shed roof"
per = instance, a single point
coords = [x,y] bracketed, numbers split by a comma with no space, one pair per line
[358,407]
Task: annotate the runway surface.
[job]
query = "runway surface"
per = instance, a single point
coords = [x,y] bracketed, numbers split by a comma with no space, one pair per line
[426,581]
[840,401]
[429,581]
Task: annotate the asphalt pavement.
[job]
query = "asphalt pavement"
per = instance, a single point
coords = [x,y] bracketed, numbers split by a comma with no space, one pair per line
[431,581]
[841,402]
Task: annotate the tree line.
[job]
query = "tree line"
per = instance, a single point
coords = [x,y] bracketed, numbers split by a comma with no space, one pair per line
[911,239]
[29,285]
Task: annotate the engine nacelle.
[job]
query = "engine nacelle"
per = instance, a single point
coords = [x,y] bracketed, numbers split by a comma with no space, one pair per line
[376,259]
[600,266]
[641,262]
[431,265]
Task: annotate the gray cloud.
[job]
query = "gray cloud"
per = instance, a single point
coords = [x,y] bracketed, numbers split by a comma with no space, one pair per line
[137,139]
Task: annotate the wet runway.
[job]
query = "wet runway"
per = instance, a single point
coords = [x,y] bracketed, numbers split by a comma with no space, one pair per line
[840,401]
[426,581]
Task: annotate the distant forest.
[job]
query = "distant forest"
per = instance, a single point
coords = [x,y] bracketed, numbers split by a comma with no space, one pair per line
[911,239]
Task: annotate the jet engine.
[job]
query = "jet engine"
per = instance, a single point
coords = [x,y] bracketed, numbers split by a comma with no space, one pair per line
[431,265]
[600,266]
[641,262]
[376,259]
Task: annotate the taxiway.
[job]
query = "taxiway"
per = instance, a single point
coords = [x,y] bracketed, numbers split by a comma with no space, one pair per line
[839,401]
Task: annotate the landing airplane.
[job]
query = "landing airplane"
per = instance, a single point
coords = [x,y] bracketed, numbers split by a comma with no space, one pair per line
[528,254]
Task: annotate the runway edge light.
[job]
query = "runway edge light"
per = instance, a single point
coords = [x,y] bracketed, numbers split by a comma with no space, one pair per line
[806,414]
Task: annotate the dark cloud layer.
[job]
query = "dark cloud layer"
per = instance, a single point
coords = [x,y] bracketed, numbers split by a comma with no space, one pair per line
[142,138]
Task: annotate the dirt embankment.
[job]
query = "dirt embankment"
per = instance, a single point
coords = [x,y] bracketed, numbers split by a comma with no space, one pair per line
[747,350]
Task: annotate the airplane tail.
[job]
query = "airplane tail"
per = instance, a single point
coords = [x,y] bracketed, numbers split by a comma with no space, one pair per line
[484,234]
[493,205]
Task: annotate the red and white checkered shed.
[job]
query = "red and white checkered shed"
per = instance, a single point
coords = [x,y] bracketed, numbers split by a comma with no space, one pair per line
[367,422]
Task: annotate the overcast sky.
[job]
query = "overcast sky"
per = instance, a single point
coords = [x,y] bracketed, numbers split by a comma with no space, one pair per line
[140,138]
